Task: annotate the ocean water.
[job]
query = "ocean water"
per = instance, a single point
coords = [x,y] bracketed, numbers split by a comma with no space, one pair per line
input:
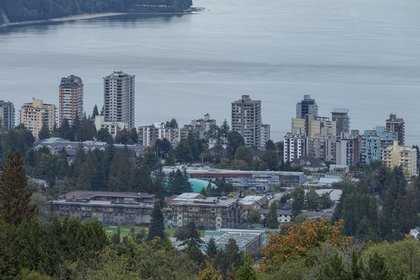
[356,54]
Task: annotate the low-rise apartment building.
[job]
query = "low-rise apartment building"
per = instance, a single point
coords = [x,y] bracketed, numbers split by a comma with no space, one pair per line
[211,213]
[149,134]
[111,208]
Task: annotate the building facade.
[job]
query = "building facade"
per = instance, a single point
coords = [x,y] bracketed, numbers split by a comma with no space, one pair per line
[295,145]
[323,145]
[110,208]
[211,213]
[374,142]
[246,119]
[149,134]
[198,127]
[7,114]
[347,150]
[342,120]
[306,106]
[34,115]
[394,124]
[265,134]
[71,99]
[397,155]
[119,98]
[113,126]
[311,125]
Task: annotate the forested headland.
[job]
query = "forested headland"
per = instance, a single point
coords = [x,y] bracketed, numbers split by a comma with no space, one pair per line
[30,10]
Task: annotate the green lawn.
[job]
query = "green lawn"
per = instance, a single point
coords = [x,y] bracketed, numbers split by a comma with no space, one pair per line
[125,230]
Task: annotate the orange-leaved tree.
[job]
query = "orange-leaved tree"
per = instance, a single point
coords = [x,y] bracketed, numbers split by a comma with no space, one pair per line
[299,240]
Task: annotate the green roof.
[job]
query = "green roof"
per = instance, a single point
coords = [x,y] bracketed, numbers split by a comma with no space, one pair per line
[198,185]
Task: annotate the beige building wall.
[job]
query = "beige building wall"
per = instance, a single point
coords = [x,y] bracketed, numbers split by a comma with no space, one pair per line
[397,155]
[33,115]
[310,126]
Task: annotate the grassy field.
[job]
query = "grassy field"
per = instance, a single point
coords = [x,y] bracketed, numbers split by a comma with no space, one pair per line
[125,230]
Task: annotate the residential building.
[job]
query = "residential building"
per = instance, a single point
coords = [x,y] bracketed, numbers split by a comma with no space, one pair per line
[198,127]
[211,213]
[394,124]
[246,119]
[306,106]
[342,119]
[374,142]
[322,145]
[309,163]
[295,145]
[119,98]
[311,125]
[347,149]
[149,134]
[247,240]
[265,134]
[110,208]
[249,180]
[252,202]
[55,145]
[71,99]
[113,126]
[34,115]
[7,114]
[398,155]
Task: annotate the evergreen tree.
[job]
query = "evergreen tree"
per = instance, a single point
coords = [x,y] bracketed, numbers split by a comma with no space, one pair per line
[14,198]
[211,248]
[203,192]
[157,228]
[377,269]
[271,217]
[269,145]
[193,240]
[95,112]
[44,133]
[225,128]
[246,271]
[65,129]
[104,135]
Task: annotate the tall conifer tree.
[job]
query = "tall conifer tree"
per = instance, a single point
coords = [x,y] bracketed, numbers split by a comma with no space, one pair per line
[14,198]
[157,228]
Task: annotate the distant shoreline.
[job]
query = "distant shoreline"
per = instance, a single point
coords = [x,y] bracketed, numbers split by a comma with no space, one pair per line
[91,16]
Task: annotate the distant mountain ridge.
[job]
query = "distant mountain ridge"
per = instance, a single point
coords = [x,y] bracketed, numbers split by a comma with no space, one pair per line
[30,10]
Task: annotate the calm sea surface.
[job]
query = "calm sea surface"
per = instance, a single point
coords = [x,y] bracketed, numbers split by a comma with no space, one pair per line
[358,54]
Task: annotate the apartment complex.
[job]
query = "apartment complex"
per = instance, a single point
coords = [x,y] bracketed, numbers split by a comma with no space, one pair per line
[306,106]
[211,213]
[374,142]
[70,99]
[7,114]
[246,119]
[342,119]
[311,125]
[323,146]
[394,124]
[111,208]
[34,115]
[149,134]
[295,145]
[119,98]
[347,149]
[398,155]
[198,127]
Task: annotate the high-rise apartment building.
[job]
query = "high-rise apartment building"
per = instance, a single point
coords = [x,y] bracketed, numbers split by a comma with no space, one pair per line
[323,145]
[7,113]
[394,124]
[342,119]
[34,115]
[295,145]
[119,97]
[306,106]
[347,149]
[246,119]
[71,99]
[398,155]
[311,125]
[374,142]
[265,134]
